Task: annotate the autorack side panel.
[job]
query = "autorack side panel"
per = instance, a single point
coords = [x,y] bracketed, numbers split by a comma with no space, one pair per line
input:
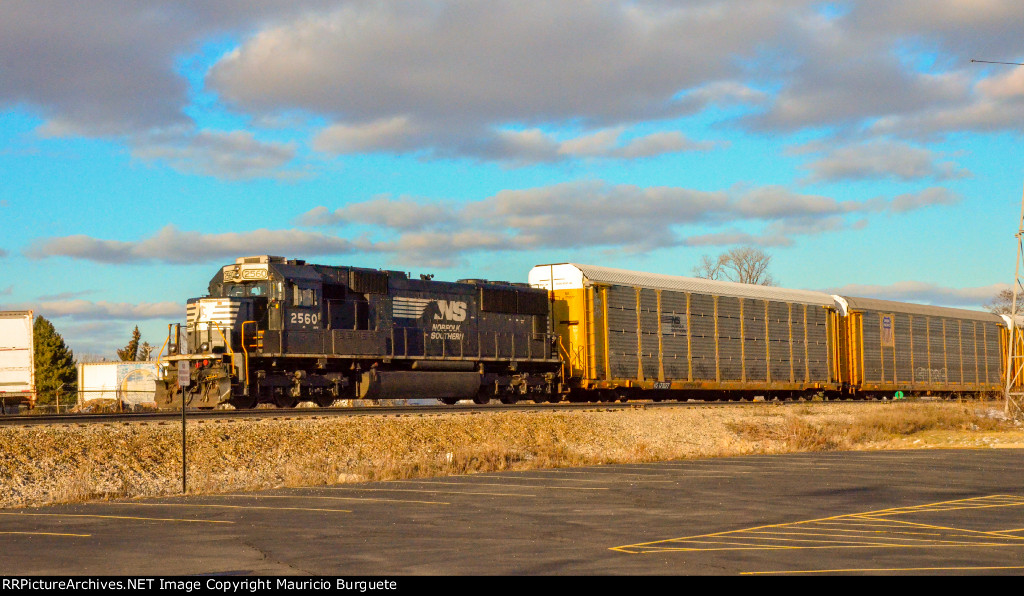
[909,347]
[704,347]
[649,345]
[755,341]
[780,342]
[621,323]
[675,335]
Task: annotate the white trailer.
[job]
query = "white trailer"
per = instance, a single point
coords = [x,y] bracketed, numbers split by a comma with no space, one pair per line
[17,358]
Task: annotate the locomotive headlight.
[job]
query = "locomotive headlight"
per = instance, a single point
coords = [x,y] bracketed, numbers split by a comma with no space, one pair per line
[172,349]
[204,347]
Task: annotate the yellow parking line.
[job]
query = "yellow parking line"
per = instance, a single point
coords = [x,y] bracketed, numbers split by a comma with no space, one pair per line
[865,569]
[47,534]
[196,521]
[648,550]
[333,498]
[573,479]
[505,484]
[233,507]
[421,490]
[608,472]
[841,536]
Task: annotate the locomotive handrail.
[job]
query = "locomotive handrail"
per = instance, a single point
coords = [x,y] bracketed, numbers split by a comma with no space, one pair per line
[227,344]
[567,361]
[161,352]
[245,355]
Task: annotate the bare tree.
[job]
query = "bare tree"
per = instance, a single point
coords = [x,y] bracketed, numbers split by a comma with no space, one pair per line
[1002,304]
[744,264]
[709,268]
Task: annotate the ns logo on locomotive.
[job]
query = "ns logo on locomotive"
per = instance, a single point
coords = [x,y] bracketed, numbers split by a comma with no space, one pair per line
[281,331]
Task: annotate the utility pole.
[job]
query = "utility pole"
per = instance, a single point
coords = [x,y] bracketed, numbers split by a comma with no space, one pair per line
[1014,387]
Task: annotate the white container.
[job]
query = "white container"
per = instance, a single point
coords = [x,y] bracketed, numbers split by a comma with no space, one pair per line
[131,383]
[17,358]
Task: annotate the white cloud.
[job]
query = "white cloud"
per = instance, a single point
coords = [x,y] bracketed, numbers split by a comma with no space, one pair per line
[401,214]
[234,155]
[576,214]
[482,79]
[102,310]
[925,198]
[926,293]
[882,160]
[171,245]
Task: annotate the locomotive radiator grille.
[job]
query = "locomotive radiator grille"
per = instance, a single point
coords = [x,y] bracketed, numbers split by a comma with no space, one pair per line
[221,312]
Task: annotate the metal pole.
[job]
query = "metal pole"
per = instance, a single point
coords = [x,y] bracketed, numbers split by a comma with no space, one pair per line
[184,454]
[183,382]
[1012,407]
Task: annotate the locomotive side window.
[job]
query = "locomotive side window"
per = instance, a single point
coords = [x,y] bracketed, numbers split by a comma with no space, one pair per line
[303,296]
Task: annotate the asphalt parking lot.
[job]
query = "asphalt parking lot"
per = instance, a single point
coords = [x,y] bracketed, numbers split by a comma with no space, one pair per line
[900,512]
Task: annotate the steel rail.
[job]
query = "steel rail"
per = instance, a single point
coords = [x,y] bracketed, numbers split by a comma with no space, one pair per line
[80,419]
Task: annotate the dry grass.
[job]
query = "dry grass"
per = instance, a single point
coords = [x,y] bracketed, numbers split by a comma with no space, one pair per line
[69,463]
[799,430]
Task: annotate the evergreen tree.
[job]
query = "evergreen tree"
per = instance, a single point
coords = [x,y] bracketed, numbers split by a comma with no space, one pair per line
[55,362]
[131,351]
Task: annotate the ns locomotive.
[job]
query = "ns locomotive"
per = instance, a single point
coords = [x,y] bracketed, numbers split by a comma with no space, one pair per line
[284,331]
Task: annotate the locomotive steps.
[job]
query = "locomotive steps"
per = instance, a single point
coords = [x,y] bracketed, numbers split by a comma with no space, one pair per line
[68,463]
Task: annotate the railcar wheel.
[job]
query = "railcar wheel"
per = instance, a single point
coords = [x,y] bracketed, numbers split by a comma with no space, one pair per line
[606,395]
[508,399]
[448,401]
[482,400]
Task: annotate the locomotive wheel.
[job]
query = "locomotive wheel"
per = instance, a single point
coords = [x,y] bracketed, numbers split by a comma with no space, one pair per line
[324,399]
[508,399]
[243,402]
[285,400]
[482,399]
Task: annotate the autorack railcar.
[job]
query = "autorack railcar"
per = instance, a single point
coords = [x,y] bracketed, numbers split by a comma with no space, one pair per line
[630,334]
[890,347]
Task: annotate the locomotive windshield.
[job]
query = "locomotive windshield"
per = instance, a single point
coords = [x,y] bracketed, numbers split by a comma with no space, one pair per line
[247,289]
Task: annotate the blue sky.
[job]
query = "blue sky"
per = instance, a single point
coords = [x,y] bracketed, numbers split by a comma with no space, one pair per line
[144,145]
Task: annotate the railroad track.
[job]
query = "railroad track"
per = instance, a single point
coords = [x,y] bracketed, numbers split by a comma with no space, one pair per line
[416,410]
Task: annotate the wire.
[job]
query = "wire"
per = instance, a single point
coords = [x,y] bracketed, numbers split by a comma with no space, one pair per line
[992,62]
